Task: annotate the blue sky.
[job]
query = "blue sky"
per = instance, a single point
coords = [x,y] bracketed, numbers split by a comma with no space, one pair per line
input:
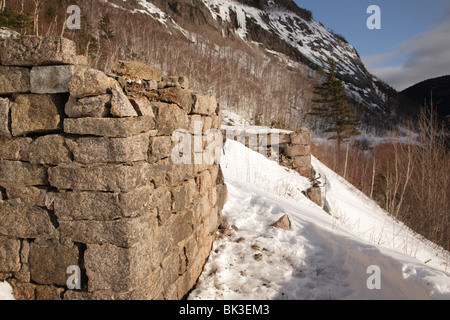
[412,45]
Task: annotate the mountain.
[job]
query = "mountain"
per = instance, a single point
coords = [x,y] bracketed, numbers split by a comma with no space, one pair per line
[437,89]
[258,57]
[281,27]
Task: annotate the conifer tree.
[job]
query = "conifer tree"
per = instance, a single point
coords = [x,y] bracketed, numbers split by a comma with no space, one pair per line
[21,22]
[332,105]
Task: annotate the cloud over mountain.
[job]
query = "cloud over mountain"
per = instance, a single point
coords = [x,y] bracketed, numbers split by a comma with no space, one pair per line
[424,56]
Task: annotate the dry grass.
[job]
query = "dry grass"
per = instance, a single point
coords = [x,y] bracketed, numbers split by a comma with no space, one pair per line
[409,177]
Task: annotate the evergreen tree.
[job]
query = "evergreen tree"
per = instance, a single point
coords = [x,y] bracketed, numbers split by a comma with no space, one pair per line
[332,105]
[21,22]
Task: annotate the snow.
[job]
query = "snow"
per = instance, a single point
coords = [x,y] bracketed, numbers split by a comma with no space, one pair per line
[322,256]
[8,33]
[6,292]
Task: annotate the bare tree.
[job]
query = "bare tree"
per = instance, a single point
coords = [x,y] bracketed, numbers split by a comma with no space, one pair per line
[37,9]
[372,185]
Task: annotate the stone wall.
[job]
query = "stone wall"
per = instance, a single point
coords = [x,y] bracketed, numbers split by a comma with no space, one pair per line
[290,149]
[92,205]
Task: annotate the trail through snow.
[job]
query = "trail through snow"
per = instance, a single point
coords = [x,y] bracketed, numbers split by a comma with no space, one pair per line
[322,256]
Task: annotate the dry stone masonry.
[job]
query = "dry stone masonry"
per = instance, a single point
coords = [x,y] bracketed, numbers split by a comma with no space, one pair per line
[88,188]
[297,152]
[290,149]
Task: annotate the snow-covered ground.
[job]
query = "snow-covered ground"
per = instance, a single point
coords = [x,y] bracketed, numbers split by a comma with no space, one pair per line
[323,256]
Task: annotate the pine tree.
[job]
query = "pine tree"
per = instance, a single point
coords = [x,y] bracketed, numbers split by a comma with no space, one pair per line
[20,22]
[332,105]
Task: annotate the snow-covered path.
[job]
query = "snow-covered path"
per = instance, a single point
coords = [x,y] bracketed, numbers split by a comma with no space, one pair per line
[321,257]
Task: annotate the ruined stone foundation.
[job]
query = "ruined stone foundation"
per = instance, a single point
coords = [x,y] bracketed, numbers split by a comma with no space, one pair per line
[92,205]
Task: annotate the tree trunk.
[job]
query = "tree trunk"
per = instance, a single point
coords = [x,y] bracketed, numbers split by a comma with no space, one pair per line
[346,160]
[373,178]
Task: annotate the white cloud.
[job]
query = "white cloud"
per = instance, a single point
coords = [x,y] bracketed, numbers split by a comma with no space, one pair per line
[427,56]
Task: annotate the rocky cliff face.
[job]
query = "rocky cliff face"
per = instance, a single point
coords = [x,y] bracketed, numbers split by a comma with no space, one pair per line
[256,56]
[284,29]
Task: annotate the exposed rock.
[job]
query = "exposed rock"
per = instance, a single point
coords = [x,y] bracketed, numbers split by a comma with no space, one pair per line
[24,221]
[179,198]
[302,161]
[14,80]
[35,113]
[51,79]
[109,127]
[179,96]
[32,195]
[169,117]
[204,182]
[89,82]
[138,70]
[181,225]
[283,223]
[284,138]
[222,195]
[12,172]
[49,293]
[142,106]
[120,105]
[111,150]
[23,291]
[182,82]
[160,148]
[49,149]
[9,255]
[204,105]
[179,173]
[301,138]
[117,178]
[306,171]
[315,195]
[95,186]
[15,149]
[102,206]
[48,264]
[28,51]
[121,232]
[297,150]
[118,269]
[5,107]
[96,107]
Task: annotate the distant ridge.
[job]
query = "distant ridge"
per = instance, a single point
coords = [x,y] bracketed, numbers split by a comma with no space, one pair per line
[438,88]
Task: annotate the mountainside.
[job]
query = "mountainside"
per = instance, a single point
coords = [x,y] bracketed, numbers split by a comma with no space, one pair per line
[438,89]
[282,27]
[271,48]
